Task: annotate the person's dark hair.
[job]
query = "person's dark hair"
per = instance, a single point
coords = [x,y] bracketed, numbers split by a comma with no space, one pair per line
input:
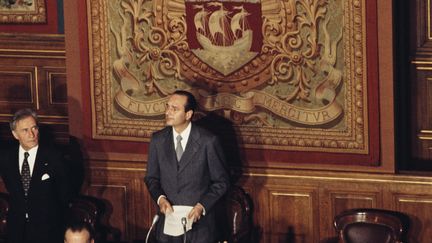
[79,226]
[21,114]
[191,102]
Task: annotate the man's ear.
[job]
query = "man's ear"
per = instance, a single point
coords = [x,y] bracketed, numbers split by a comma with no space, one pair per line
[15,135]
[189,114]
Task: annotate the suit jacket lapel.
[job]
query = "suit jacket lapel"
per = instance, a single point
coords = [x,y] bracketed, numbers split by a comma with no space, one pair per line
[192,147]
[169,145]
[16,169]
[37,169]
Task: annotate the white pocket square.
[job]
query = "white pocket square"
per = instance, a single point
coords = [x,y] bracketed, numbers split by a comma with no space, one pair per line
[45,177]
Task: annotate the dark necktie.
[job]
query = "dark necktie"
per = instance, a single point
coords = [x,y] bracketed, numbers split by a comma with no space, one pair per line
[179,148]
[25,174]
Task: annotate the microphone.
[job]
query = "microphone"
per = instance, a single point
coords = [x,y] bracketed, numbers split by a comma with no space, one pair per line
[155,219]
[183,221]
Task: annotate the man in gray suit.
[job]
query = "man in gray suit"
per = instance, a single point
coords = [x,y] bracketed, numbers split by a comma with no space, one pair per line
[186,166]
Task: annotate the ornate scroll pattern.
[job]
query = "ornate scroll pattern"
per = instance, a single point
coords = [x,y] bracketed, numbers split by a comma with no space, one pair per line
[304,89]
[23,12]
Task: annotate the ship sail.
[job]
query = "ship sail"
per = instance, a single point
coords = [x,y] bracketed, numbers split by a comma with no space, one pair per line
[200,19]
[224,35]
[217,22]
[238,21]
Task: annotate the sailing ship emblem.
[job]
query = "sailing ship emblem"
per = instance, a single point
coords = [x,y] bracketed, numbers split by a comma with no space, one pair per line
[224,35]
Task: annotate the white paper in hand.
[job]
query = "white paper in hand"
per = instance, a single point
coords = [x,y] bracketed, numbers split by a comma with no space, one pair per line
[173,221]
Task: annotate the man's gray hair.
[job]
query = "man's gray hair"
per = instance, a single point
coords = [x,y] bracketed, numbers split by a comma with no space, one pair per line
[21,114]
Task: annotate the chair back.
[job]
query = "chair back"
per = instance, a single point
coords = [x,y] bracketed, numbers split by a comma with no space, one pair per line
[85,209]
[371,225]
[238,215]
[4,208]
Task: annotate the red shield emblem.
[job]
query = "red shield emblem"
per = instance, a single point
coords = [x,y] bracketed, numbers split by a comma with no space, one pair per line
[224,35]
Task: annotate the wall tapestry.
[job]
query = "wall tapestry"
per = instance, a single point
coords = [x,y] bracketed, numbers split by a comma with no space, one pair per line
[288,74]
[22,11]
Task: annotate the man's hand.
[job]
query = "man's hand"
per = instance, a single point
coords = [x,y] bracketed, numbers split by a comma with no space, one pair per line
[196,212]
[165,206]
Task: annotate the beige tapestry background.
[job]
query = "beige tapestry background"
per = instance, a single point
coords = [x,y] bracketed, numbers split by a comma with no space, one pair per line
[289,75]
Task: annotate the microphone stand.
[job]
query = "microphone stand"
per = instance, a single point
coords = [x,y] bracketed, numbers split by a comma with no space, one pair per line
[183,221]
[155,219]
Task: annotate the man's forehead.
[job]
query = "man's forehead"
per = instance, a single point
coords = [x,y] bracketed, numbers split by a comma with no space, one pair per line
[26,121]
[83,234]
[177,100]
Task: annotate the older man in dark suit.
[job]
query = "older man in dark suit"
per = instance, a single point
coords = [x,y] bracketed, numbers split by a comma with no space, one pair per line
[36,181]
[186,166]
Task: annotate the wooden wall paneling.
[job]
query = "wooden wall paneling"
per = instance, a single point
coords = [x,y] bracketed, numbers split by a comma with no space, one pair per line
[421,77]
[18,85]
[121,188]
[116,214]
[335,199]
[413,197]
[33,75]
[342,200]
[288,205]
[421,27]
[337,194]
[56,90]
[32,44]
[252,186]
[53,108]
[422,118]
[419,209]
[293,214]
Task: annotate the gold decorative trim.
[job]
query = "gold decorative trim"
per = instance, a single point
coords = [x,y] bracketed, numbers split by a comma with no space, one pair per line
[53,117]
[426,131]
[31,56]
[42,122]
[353,197]
[429,19]
[36,13]
[41,116]
[33,51]
[424,68]
[290,194]
[119,169]
[425,135]
[37,88]
[414,201]
[428,62]
[140,53]
[331,178]
[30,36]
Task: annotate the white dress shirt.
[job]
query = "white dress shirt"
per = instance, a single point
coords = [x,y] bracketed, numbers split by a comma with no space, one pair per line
[31,159]
[184,134]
